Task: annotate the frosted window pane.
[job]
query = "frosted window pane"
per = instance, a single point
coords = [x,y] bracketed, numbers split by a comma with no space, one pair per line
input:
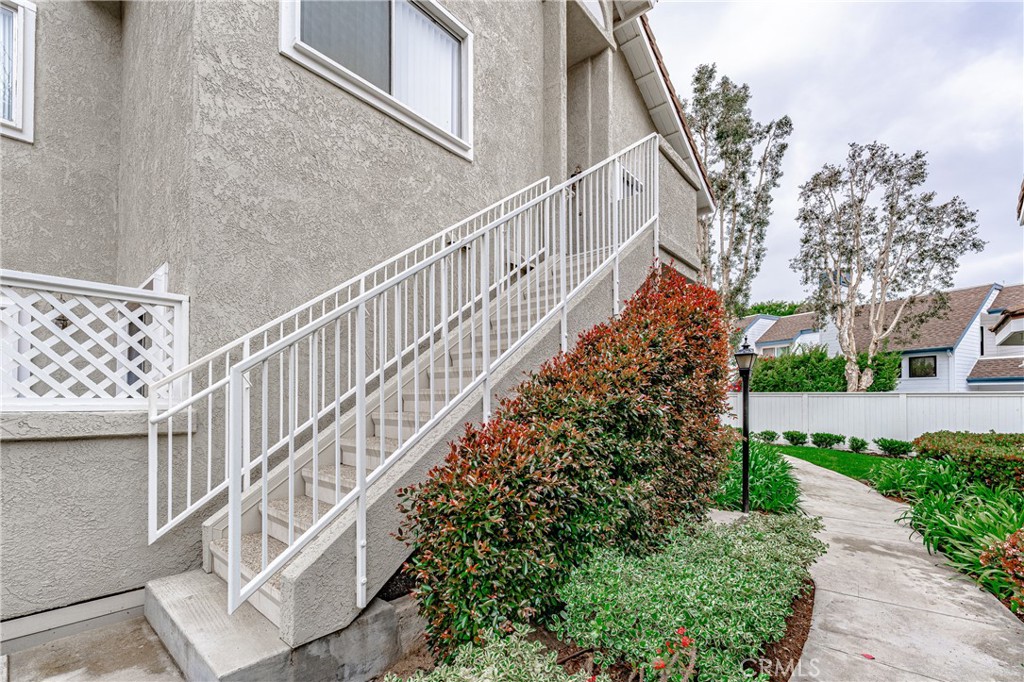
[427,63]
[354,33]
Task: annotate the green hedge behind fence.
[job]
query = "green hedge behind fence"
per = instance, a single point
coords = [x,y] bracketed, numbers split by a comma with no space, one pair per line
[811,370]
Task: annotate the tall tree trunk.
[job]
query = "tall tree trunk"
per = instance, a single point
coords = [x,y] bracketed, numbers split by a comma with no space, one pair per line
[853,375]
[867,377]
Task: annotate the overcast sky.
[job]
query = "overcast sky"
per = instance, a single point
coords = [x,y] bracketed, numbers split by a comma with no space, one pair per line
[947,78]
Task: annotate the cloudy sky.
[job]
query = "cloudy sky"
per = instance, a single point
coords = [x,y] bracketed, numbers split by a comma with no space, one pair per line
[947,78]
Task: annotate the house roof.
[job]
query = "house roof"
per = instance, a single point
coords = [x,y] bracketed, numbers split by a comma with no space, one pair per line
[1010,298]
[789,327]
[997,368]
[637,41]
[676,104]
[944,331]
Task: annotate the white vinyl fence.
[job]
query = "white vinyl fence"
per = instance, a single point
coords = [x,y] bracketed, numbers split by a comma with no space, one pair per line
[882,415]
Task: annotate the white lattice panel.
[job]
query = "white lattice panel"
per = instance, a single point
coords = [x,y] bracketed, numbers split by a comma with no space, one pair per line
[60,342]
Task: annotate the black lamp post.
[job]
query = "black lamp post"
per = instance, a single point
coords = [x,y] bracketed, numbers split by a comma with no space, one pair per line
[745,357]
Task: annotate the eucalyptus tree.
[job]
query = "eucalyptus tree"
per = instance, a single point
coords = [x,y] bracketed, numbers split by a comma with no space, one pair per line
[743,158]
[877,248]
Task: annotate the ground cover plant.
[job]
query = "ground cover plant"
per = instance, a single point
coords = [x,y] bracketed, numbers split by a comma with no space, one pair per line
[501,657]
[795,437]
[827,440]
[730,586]
[607,446]
[894,447]
[773,486]
[991,458]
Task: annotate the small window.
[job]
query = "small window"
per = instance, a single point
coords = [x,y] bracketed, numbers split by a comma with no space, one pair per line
[922,367]
[411,60]
[17,68]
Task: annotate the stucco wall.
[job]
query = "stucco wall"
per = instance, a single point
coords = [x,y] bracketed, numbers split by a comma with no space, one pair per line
[157,142]
[73,512]
[678,201]
[630,119]
[297,185]
[58,195]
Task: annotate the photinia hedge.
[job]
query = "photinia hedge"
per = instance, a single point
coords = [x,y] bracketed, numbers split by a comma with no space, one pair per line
[607,446]
[991,458]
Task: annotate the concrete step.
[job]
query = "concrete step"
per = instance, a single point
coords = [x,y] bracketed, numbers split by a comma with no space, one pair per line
[268,599]
[327,479]
[277,516]
[348,446]
[189,613]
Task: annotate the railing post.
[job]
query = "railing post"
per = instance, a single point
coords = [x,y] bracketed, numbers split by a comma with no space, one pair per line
[235,491]
[655,168]
[485,332]
[616,200]
[563,271]
[153,454]
[361,454]
[246,435]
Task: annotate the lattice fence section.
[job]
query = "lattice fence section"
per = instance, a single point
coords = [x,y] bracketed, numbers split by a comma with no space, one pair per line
[61,342]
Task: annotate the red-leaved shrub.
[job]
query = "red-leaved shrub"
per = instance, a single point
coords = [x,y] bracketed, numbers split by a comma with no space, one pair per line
[608,445]
[994,459]
[1008,556]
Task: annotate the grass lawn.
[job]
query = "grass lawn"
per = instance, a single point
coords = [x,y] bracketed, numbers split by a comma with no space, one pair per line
[852,464]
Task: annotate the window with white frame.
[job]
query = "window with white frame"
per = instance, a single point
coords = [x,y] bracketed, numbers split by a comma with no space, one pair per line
[17,68]
[409,58]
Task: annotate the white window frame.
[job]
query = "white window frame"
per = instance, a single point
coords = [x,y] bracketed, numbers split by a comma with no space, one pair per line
[291,46]
[23,72]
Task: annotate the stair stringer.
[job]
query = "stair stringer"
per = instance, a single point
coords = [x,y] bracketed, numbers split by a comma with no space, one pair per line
[318,586]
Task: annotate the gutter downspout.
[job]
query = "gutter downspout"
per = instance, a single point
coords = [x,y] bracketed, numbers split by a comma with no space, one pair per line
[952,370]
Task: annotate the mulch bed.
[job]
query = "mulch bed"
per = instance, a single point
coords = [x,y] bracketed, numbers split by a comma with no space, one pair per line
[778,660]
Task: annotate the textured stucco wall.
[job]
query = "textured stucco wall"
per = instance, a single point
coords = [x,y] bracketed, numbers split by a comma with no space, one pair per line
[58,195]
[678,200]
[73,515]
[157,142]
[297,185]
[630,119]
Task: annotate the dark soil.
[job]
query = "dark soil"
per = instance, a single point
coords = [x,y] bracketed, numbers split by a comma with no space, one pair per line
[398,585]
[780,658]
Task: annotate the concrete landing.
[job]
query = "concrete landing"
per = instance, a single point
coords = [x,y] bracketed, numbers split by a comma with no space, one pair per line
[879,593]
[128,651]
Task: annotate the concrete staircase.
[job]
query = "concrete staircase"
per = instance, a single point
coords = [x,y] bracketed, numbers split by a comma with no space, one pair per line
[250,643]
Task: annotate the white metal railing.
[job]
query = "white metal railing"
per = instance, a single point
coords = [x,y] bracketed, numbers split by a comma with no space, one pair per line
[188,467]
[69,344]
[360,385]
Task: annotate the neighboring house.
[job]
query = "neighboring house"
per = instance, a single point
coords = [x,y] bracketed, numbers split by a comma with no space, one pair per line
[752,327]
[265,157]
[953,351]
[787,334]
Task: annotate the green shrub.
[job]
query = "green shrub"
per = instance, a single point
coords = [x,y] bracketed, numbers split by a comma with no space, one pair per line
[994,459]
[730,586]
[773,487]
[609,445]
[795,437]
[766,436]
[812,370]
[913,479]
[858,444]
[894,447]
[501,658]
[827,440]
[965,524]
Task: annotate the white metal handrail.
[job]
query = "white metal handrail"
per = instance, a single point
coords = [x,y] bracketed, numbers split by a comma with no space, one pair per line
[383,368]
[70,344]
[197,458]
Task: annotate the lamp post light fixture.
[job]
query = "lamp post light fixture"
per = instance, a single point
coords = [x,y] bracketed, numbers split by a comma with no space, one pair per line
[745,357]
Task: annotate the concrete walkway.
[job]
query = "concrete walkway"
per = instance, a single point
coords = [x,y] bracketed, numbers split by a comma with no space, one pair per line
[880,593]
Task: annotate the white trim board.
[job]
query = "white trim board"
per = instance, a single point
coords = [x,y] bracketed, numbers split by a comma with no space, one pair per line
[18,634]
